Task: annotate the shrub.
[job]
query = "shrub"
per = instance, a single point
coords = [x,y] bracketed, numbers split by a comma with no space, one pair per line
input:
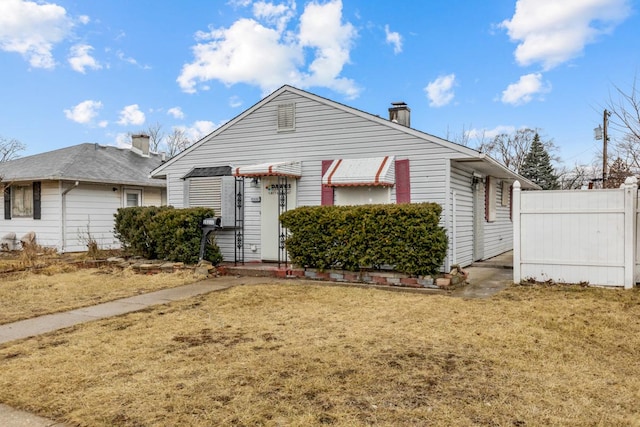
[407,237]
[165,233]
[132,229]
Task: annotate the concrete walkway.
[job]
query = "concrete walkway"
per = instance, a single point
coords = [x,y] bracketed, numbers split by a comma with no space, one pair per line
[52,322]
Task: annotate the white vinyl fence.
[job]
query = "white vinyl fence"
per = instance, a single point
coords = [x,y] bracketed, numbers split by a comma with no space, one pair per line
[577,236]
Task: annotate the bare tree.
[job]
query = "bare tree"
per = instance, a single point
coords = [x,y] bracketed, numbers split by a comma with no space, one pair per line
[468,137]
[618,173]
[177,141]
[625,108]
[156,137]
[10,149]
[577,177]
[511,149]
[627,149]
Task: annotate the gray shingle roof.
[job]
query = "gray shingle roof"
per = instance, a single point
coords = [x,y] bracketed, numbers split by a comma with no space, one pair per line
[86,163]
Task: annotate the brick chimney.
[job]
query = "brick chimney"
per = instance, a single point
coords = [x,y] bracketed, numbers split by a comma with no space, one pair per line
[140,144]
[400,113]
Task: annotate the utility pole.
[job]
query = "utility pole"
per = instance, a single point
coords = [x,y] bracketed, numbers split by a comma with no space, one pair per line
[605,139]
[601,133]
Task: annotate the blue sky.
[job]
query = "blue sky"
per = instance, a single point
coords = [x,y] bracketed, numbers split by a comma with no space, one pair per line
[76,71]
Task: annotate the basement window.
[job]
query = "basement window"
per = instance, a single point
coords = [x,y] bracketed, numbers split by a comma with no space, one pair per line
[286,117]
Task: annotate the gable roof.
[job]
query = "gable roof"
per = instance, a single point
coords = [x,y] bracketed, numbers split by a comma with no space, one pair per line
[479,161]
[87,163]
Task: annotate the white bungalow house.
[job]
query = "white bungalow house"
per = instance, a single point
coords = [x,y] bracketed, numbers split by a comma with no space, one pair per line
[68,194]
[294,148]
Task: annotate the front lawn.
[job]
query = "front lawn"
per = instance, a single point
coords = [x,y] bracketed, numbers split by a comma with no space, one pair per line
[61,286]
[310,354]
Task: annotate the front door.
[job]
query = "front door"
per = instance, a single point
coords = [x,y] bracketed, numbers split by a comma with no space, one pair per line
[269,209]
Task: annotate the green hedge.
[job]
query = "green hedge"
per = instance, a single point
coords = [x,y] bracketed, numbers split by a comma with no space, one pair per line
[165,233]
[405,236]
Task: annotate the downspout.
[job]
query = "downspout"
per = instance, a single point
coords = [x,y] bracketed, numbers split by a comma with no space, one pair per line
[447,211]
[63,213]
[454,217]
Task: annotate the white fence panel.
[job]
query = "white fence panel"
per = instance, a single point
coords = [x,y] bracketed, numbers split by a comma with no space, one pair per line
[576,236]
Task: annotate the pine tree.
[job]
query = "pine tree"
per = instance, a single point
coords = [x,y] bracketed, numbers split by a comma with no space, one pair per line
[537,166]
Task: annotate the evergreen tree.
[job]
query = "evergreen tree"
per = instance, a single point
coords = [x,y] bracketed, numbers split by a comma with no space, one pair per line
[537,166]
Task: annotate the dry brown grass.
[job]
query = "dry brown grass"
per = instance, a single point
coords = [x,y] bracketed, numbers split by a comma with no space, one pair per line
[62,286]
[300,354]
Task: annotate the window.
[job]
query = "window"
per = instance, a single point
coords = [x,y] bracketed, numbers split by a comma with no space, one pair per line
[286,117]
[490,199]
[133,198]
[216,192]
[362,195]
[22,201]
[505,193]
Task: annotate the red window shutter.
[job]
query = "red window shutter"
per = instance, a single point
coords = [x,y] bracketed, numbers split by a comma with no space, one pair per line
[326,198]
[403,181]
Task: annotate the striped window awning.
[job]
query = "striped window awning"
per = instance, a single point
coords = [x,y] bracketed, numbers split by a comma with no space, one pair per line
[292,169]
[375,171]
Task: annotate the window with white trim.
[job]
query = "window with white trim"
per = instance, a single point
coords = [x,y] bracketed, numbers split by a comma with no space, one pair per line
[132,198]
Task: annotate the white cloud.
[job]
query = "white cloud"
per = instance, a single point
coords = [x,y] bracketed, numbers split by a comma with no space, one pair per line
[198,129]
[80,58]
[123,140]
[131,115]
[121,56]
[84,19]
[440,91]
[32,29]
[524,90]
[103,124]
[261,51]
[235,102]
[551,32]
[84,112]
[488,134]
[394,39]
[275,14]
[176,113]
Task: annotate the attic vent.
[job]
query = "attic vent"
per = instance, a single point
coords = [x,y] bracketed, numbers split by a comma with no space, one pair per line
[286,116]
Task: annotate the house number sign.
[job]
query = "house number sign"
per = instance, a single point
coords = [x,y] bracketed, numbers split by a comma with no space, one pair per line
[273,188]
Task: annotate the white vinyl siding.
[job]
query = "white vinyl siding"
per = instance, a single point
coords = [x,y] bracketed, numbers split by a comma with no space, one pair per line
[322,132]
[462,214]
[498,235]
[47,229]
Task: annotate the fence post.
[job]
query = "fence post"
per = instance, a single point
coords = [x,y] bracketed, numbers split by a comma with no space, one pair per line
[630,198]
[517,234]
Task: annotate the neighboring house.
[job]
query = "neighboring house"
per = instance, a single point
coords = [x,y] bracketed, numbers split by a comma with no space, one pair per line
[294,148]
[68,195]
